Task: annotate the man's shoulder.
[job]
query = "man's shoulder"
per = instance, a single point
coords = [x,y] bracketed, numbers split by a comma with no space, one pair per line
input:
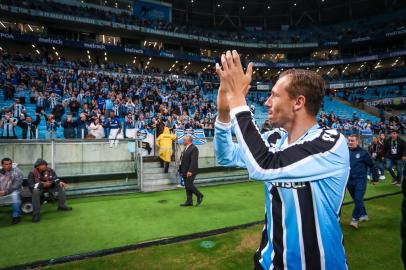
[275,133]
[362,150]
[15,167]
[327,140]
[323,133]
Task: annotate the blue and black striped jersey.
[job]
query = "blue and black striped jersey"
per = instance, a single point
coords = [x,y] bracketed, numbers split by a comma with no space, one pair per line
[304,186]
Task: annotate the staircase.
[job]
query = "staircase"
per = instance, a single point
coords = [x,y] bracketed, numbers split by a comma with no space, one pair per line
[155,179]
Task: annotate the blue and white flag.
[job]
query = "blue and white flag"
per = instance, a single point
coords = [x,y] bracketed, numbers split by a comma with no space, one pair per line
[197,135]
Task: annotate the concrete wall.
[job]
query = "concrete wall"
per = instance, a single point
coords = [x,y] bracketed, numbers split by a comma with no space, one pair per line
[92,159]
[75,158]
[207,157]
[72,158]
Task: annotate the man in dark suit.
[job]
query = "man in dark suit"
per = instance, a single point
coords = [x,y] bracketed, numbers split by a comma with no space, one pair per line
[188,169]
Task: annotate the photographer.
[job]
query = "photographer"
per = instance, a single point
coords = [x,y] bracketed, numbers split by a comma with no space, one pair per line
[43,179]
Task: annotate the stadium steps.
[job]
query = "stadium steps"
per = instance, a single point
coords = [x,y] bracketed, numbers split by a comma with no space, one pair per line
[349,104]
[154,179]
[345,110]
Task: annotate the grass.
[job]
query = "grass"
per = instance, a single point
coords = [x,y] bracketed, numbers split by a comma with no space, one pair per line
[112,221]
[374,246]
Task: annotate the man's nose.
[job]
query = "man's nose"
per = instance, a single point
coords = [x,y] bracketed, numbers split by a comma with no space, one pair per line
[268,102]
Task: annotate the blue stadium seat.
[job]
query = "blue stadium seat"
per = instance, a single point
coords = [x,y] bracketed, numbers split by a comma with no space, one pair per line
[345,111]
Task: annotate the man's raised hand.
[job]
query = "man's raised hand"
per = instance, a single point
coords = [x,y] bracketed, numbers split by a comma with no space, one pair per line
[233,81]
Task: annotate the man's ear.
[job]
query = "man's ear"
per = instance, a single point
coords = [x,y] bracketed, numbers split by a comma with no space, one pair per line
[300,103]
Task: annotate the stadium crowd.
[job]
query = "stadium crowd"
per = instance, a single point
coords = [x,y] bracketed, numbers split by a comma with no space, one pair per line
[112,105]
[60,62]
[361,126]
[96,105]
[340,72]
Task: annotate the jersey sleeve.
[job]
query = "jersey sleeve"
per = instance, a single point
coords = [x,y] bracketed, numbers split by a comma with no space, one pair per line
[320,157]
[227,152]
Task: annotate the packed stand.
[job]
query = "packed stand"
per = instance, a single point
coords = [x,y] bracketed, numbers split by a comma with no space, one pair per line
[84,64]
[368,73]
[360,126]
[91,105]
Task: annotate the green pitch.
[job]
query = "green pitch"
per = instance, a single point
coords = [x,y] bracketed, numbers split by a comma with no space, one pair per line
[374,246]
[111,221]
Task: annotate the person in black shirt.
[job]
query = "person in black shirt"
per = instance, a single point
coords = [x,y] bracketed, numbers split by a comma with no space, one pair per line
[69,127]
[395,155]
[376,150]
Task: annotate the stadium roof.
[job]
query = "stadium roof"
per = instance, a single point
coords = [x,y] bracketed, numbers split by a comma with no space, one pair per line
[272,14]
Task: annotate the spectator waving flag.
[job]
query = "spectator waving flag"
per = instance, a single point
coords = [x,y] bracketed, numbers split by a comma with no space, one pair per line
[197,135]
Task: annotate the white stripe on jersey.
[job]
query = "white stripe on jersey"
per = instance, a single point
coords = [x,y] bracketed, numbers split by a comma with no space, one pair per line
[270,239]
[299,226]
[285,266]
[319,240]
